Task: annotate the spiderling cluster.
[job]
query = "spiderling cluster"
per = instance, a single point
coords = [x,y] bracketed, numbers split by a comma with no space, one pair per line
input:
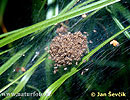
[66,48]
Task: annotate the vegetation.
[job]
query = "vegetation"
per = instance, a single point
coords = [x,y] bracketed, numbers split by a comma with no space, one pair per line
[25,64]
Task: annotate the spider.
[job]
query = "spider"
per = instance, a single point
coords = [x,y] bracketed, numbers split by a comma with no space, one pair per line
[114,43]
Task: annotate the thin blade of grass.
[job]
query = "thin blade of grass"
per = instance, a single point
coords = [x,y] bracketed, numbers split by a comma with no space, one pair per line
[44,24]
[123,10]
[52,88]
[70,5]
[22,83]
[43,4]
[9,33]
[82,4]
[13,59]
[126,33]
[5,51]
[40,60]
[29,86]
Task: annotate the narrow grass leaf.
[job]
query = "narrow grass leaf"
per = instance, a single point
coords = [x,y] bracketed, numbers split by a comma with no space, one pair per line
[13,59]
[42,6]
[123,10]
[9,33]
[126,33]
[22,83]
[5,51]
[52,88]
[40,60]
[44,24]
[70,5]
[82,4]
[29,86]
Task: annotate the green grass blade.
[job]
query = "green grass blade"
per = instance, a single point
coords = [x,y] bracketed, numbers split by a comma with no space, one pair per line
[70,5]
[13,59]
[24,64]
[22,83]
[126,33]
[43,4]
[40,60]
[9,33]
[44,24]
[52,88]
[123,10]
[29,86]
[5,51]
[80,5]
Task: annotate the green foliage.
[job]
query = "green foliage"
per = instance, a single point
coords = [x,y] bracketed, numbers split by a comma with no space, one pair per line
[41,30]
[44,24]
[119,24]
[13,59]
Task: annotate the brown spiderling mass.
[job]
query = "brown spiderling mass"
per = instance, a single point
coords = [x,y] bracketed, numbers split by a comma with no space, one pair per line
[67,48]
